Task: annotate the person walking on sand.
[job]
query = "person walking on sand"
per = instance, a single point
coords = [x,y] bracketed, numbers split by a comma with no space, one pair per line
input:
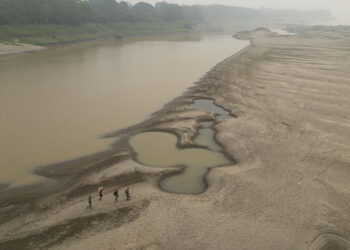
[90,202]
[127,194]
[100,191]
[116,194]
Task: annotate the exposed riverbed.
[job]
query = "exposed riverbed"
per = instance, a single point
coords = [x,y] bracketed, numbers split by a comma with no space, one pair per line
[55,104]
[289,188]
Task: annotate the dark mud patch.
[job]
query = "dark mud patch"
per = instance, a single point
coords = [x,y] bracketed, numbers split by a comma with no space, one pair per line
[330,241]
[117,181]
[76,228]
[332,246]
[26,198]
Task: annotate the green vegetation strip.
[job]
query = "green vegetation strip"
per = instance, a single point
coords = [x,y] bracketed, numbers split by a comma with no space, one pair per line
[45,34]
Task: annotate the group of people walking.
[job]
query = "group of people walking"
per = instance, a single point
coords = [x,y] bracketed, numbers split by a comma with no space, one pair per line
[127,194]
[116,195]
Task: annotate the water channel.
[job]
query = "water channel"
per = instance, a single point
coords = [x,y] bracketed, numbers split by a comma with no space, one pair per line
[158,149]
[54,105]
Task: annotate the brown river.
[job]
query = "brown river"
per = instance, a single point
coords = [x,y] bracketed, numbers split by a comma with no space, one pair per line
[56,104]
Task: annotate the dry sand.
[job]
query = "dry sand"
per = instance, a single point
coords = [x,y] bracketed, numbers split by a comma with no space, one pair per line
[289,190]
[11,49]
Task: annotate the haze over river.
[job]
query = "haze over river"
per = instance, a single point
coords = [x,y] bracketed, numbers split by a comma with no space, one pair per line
[54,105]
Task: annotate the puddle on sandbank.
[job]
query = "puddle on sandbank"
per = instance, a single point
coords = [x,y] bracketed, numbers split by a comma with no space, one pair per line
[206,137]
[208,105]
[158,149]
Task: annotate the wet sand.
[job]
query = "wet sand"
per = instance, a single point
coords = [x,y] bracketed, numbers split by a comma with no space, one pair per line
[289,188]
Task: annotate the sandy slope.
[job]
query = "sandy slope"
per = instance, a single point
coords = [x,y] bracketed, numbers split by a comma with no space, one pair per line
[289,190]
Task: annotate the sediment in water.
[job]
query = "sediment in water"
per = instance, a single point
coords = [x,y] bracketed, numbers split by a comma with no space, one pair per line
[290,180]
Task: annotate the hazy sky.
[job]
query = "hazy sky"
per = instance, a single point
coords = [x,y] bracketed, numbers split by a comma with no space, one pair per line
[339,8]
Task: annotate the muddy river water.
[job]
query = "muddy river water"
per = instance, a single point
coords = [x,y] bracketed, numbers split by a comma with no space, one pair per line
[54,105]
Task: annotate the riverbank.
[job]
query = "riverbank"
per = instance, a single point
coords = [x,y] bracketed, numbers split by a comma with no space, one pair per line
[288,190]
[49,34]
[11,49]
[32,38]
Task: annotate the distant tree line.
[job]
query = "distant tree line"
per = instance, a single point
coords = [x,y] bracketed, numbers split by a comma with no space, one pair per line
[75,12]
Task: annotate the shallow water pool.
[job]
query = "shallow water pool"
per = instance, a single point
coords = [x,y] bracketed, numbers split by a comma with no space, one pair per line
[158,149]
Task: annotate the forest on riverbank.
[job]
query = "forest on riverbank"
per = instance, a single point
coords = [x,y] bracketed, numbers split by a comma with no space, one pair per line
[56,21]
